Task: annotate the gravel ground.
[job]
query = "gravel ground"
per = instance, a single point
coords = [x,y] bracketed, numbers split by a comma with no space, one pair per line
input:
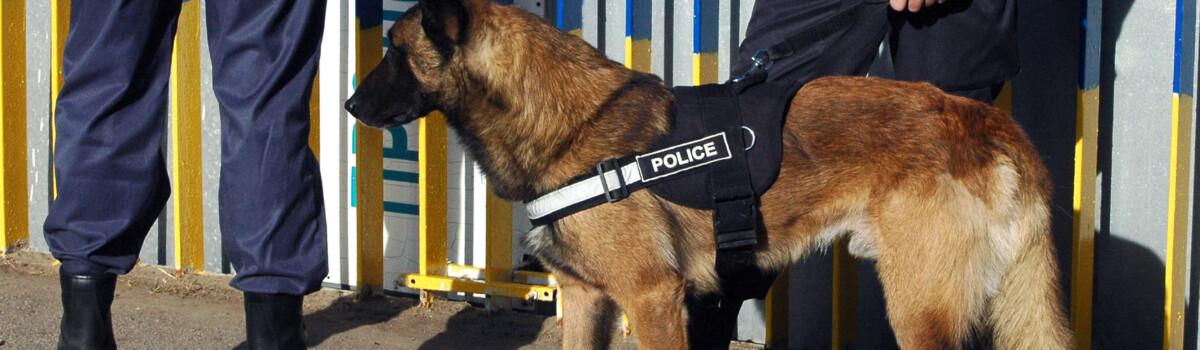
[156,308]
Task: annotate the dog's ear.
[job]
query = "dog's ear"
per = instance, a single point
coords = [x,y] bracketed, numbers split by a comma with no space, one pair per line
[445,23]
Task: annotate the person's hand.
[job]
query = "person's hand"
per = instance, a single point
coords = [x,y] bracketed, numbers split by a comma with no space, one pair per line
[913,5]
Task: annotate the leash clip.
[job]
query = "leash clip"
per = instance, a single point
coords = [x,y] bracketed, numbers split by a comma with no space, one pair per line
[612,194]
[761,61]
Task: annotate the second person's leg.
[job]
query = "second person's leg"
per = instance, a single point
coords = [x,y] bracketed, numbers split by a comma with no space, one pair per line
[264,56]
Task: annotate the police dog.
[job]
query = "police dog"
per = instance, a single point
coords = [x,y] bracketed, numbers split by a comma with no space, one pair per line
[948,194]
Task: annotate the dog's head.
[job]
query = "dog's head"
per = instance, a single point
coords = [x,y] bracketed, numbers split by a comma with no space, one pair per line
[518,92]
[421,69]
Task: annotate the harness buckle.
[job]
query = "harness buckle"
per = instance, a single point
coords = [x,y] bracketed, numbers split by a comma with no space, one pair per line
[735,221]
[612,194]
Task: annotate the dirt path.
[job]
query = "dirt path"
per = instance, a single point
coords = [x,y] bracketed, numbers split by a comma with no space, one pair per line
[157,309]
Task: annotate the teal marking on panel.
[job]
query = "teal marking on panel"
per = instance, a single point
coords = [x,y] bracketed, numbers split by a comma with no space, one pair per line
[401,176]
[400,208]
[399,149]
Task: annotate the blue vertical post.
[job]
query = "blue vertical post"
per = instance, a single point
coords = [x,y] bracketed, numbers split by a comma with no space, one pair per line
[568,16]
[704,42]
[637,34]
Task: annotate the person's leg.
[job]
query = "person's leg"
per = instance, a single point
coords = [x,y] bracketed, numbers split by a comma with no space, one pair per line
[264,56]
[112,180]
[968,48]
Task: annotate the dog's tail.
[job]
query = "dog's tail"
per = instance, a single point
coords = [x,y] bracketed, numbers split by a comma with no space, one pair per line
[1027,312]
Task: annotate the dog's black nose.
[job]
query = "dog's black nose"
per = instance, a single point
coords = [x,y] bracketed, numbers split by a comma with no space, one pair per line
[350,106]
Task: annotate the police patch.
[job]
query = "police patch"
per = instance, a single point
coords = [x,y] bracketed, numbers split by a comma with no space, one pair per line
[683,157]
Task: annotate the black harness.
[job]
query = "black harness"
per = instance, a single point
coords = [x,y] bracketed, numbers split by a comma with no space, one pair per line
[722,153]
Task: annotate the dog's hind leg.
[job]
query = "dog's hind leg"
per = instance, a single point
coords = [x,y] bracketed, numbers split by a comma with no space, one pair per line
[657,313]
[588,316]
[934,263]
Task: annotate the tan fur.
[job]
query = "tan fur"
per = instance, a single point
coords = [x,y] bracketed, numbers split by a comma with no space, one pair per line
[947,193]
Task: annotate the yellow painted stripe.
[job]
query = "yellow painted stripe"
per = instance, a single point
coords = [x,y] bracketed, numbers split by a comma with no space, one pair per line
[845,296]
[1084,243]
[499,243]
[14,209]
[704,68]
[314,112]
[777,312]
[187,179]
[1178,220]
[369,163]
[1004,99]
[432,184]
[60,19]
[637,54]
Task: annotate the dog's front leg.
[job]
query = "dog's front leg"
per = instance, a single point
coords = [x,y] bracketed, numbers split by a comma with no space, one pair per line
[588,316]
[657,314]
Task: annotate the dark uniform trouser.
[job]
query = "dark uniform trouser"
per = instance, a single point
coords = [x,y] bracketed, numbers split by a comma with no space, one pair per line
[111,116]
[966,47]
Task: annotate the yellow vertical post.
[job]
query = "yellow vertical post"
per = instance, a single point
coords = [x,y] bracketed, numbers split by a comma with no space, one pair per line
[1084,221]
[14,207]
[1087,130]
[1004,99]
[432,184]
[1177,220]
[60,19]
[186,162]
[499,245]
[845,296]
[369,160]
[777,311]
[314,112]
[1179,196]
[638,17]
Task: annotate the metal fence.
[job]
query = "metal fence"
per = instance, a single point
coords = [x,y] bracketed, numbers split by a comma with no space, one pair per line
[1105,91]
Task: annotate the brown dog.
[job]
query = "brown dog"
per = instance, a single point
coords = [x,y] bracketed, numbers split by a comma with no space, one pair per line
[946,193]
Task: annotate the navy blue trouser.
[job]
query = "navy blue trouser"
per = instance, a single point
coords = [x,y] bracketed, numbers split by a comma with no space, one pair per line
[111,116]
[966,47]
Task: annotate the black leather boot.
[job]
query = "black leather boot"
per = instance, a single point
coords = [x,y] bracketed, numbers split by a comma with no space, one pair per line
[274,321]
[86,320]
